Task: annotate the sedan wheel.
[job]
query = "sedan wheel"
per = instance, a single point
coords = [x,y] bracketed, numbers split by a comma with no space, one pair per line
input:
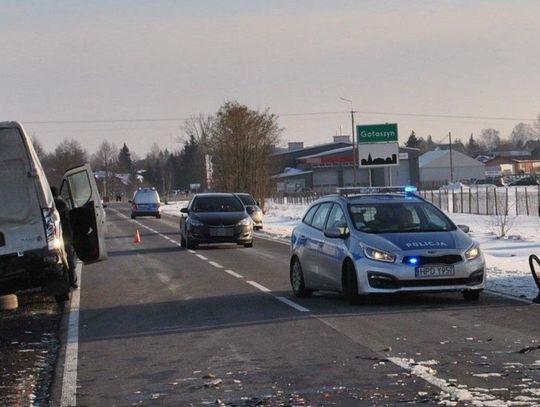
[297,280]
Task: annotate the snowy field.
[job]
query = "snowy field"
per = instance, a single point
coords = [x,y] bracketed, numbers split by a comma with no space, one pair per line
[507,258]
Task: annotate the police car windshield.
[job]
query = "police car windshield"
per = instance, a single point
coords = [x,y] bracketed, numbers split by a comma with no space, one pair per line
[399,217]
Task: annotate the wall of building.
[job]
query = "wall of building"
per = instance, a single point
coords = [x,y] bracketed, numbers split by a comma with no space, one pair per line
[442,174]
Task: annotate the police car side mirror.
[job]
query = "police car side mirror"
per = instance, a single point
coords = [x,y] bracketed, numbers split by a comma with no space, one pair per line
[336,233]
[464,228]
[184,210]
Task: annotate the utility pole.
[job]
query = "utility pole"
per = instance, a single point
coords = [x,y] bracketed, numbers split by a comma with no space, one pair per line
[353,135]
[451,164]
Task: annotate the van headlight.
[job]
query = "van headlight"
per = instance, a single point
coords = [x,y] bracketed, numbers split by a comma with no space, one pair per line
[473,252]
[379,255]
[244,222]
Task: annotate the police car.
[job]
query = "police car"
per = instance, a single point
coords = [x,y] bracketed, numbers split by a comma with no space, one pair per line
[382,240]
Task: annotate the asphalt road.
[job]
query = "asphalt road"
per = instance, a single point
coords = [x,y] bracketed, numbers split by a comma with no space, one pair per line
[161,325]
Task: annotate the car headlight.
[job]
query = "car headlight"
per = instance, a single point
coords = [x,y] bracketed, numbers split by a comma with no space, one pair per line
[195,222]
[379,255]
[472,253]
[244,222]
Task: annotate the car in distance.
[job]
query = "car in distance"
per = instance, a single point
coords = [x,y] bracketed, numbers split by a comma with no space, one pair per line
[32,252]
[145,202]
[382,242]
[253,209]
[215,218]
[523,182]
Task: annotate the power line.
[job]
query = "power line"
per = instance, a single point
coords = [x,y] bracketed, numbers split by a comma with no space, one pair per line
[299,114]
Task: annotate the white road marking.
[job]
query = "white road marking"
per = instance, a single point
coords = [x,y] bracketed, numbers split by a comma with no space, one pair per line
[292,304]
[165,279]
[453,390]
[192,251]
[273,239]
[232,273]
[216,265]
[200,256]
[258,286]
[511,297]
[69,381]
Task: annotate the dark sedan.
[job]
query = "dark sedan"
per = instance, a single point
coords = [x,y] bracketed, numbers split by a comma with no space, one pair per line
[252,207]
[215,218]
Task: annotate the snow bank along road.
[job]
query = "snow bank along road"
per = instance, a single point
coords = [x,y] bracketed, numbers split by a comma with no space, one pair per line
[161,325]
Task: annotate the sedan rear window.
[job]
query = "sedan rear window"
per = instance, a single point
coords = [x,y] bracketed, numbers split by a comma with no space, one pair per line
[217,204]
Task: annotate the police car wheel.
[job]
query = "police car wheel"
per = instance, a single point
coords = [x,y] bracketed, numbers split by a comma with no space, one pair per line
[350,284]
[297,280]
[471,295]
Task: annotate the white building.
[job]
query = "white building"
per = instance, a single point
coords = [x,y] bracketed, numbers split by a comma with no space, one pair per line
[435,168]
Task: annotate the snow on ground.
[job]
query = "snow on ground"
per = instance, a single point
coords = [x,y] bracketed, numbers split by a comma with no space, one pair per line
[506,258]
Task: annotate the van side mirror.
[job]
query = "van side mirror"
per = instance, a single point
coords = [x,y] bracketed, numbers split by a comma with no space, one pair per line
[184,210]
[464,228]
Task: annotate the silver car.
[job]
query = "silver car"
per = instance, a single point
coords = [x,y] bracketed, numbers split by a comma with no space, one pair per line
[381,242]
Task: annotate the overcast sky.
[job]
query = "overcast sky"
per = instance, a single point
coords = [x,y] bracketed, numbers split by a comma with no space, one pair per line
[131,60]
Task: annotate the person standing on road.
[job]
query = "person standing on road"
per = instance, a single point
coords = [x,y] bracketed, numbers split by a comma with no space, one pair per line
[67,234]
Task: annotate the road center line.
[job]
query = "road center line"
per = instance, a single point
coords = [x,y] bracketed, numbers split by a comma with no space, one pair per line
[232,273]
[292,304]
[200,256]
[216,265]
[69,381]
[258,286]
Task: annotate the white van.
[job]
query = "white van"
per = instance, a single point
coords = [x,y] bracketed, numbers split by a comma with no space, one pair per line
[32,251]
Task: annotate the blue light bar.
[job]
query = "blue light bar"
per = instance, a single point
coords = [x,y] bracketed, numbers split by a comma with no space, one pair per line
[409,189]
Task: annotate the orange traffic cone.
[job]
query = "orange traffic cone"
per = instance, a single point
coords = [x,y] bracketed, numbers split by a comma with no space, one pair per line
[137,238]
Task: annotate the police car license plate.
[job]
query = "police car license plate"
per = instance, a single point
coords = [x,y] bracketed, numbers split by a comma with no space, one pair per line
[434,271]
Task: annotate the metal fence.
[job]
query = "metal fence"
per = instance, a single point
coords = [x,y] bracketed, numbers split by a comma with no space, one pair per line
[487,200]
[481,200]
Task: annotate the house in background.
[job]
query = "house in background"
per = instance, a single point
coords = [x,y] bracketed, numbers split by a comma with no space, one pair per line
[514,165]
[436,168]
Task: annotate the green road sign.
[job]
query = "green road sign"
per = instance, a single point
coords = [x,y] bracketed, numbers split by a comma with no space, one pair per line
[376,133]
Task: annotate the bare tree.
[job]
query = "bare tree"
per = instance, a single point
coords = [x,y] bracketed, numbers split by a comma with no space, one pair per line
[105,159]
[40,151]
[242,144]
[69,153]
[521,133]
[491,138]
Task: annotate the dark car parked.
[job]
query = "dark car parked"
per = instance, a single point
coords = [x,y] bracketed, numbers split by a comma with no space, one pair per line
[524,181]
[215,218]
[253,209]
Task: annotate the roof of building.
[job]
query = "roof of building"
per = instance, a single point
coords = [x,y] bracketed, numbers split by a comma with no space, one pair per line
[338,143]
[433,156]
[292,172]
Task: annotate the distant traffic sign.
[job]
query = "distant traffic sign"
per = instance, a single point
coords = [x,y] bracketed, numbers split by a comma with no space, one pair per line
[377,133]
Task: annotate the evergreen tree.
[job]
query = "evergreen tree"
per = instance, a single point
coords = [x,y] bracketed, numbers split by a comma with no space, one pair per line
[125,163]
[412,141]
[430,145]
[473,148]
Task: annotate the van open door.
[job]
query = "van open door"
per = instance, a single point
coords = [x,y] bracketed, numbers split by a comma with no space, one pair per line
[87,216]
